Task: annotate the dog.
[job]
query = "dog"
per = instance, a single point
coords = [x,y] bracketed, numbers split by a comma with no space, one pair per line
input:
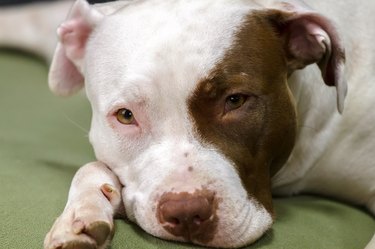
[202,109]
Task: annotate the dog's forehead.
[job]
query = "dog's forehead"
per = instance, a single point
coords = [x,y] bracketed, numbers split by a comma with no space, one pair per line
[171,44]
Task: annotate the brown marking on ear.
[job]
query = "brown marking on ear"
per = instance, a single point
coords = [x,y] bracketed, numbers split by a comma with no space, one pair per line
[308,38]
[297,30]
[258,137]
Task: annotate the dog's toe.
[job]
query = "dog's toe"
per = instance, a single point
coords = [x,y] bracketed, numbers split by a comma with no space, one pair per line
[99,230]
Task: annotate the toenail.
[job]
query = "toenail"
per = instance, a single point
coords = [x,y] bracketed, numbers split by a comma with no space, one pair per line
[108,188]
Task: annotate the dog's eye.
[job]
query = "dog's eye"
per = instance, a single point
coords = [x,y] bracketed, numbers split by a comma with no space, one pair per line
[125,116]
[234,101]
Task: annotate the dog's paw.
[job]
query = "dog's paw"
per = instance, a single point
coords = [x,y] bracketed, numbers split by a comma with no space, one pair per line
[79,232]
[84,225]
[70,232]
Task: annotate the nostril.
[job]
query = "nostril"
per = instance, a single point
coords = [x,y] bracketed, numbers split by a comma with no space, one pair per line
[168,215]
[197,220]
[174,221]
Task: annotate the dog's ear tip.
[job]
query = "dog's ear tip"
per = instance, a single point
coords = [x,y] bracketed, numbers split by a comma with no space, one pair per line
[342,90]
[340,106]
[80,4]
[82,8]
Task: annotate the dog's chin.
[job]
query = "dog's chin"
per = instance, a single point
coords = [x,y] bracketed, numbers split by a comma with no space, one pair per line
[239,223]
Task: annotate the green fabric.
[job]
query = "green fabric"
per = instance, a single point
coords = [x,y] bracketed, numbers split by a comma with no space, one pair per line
[43,141]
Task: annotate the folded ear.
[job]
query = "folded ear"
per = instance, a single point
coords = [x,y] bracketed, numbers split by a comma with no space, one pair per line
[311,38]
[66,75]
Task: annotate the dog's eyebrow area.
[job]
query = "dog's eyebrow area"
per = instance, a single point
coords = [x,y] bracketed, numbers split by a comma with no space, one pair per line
[253,84]
[116,94]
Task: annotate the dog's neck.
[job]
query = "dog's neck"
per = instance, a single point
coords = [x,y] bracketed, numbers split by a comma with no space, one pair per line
[316,112]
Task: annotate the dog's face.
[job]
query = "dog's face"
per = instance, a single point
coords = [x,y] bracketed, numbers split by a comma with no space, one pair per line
[182,107]
[191,110]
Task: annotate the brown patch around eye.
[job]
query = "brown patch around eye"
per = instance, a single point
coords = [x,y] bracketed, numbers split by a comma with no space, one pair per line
[255,128]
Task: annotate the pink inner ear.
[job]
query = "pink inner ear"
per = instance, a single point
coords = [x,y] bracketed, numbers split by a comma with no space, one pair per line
[306,43]
[73,35]
[311,38]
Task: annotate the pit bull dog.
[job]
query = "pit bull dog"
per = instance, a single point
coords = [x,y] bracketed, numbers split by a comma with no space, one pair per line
[200,112]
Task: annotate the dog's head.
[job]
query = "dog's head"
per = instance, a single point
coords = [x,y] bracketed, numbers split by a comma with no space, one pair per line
[191,107]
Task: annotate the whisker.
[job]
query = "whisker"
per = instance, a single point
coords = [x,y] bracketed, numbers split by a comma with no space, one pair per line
[76,124]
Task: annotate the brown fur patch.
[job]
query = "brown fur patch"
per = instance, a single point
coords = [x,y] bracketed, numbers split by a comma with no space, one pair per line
[258,136]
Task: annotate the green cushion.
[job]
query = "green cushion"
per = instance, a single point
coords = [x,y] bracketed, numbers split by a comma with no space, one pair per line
[43,141]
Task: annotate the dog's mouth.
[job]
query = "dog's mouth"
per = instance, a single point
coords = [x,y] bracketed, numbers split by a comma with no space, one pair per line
[203,217]
[202,202]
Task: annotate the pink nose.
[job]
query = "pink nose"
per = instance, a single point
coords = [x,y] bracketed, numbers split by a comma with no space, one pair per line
[191,216]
